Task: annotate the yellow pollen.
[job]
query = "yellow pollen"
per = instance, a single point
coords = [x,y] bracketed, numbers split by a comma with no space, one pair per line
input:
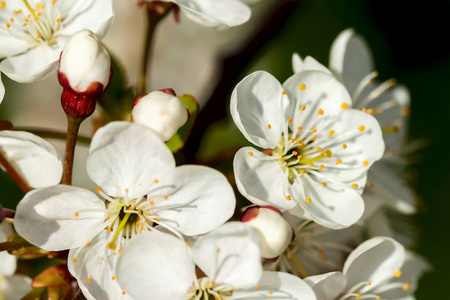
[166,197]
[257,287]
[284,92]
[292,140]
[218,250]
[282,160]
[338,161]
[379,297]
[123,292]
[328,153]
[302,87]
[289,120]
[331,133]
[308,200]
[157,219]
[302,171]
[12,20]
[288,197]
[26,20]
[250,153]
[24,24]
[74,259]
[299,156]
[270,292]
[2,4]
[366,163]
[76,214]
[397,273]
[298,141]
[109,229]
[299,128]
[371,185]
[313,138]
[99,189]
[371,111]
[151,202]
[188,244]
[369,283]
[7,25]
[269,126]
[88,244]
[302,107]
[301,145]
[364,109]
[320,111]
[314,130]
[344,146]
[354,185]
[138,223]
[344,105]
[16,12]
[362,128]
[89,279]
[310,164]
[358,295]
[321,166]
[58,20]
[113,278]
[53,2]
[295,153]
[323,183]
[406,286]
[119,250]
[319,149]
[38,36]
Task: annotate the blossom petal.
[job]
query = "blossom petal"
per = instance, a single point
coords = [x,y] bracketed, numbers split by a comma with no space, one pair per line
[34,158]
[59,217]
[125,158]
[350,59]
[230,255]
[7,261]
[2,89]
[257,102]
[333,205]
[33,65]
[10,45]
[277,285]
[156,266]
[93,266]
[95,15]
[308,64]
[16,287]
[327,286]
[202,200]
[261,181]
[215,14]
[374,261]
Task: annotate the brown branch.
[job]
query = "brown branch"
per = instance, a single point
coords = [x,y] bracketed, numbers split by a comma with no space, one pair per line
[6,213]
[14,174]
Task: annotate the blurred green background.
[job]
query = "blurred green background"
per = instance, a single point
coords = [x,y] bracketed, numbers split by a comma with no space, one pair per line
[409,42]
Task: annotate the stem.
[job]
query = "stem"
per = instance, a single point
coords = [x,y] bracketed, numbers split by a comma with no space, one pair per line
[13,245]
[147,54]
[52,134]
[6,213]
[9,168]
[72,132]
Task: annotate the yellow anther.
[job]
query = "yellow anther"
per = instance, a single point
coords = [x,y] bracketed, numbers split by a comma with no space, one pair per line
[301,145]
[364,109]
[16,12]
[270,292]
[358,295]
[295,153]
[314,130]
[250,154]
[12,20]
[299,156]
[88,244]
[188,244]
[24,24]
[313,138]
[157,219]
[284,92]
[354,185]
[123,292]
[58,20]
[113,278]
[323,183]
[269,126]
[292,140]
[302,87]
[109,229]
[289,120]
[320,111]
[369,283]
[302,107]
[7,25]
[257,287]
[321,166]
[370,111]
[38,36]
[138,223]
[319,149]
[151,203]
[371,185]
[89,279]
[53,2]
[310,164]
[406,286]
[328,153]
[166,197]
[344,105]
[298,141]
[282,160]
[365,163]
[74,259]
[308,200]
[361,128]
[76,214]
[288,197]
[331,132]
[218,250]
[299,128]
[397,273]
[344,146]
[338,161]
[302,171]
[2,4]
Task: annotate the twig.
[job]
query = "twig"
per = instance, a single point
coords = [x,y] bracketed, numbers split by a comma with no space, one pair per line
[72,132]
[9,168]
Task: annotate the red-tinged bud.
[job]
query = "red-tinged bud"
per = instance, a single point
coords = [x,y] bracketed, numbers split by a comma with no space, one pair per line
[274,231]
[84,72]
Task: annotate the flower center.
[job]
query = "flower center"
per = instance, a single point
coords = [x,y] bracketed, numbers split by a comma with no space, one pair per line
[206,289]
[36,24]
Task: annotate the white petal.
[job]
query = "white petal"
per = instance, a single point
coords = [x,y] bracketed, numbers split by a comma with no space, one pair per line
[350,59]
[374,261]
[95,15]
[215,14]
[59,217]
[322,91]
[16,287]
[125,158]
[156,266]
[333,206]
[278,285]
[201,201]
[10,45]
[308,64]
[256,102]
[230,254]
[93,269]
[7,261]
[297,63]
[261,181]
[34,158]
[327,286]
[2,89]
[33,65]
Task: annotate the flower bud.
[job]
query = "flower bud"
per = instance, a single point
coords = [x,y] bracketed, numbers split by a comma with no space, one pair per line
[84,73]
[160,111]
[274,231]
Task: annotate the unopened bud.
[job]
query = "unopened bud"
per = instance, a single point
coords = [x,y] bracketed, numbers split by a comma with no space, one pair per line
[274,231]
[160,111]
[84,73]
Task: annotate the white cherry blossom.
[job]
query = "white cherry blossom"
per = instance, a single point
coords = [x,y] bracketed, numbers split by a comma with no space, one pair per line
[316,148]
[33,33]
[378,269]
[229,268]
[140,190]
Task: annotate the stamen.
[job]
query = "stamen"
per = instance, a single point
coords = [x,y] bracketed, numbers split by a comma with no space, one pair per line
[112,244]
[325,154]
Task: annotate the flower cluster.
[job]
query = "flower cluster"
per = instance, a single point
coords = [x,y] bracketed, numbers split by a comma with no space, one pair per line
[319,175]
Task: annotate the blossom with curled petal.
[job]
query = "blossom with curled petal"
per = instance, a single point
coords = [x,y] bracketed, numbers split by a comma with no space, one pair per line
[217,14]
[140,190]
[34,158]
[34,32]
[12,287]
[378,269]
[316,149]
[229,260]
[352,63]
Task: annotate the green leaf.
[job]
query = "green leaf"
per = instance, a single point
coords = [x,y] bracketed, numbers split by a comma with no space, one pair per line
[179,139]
